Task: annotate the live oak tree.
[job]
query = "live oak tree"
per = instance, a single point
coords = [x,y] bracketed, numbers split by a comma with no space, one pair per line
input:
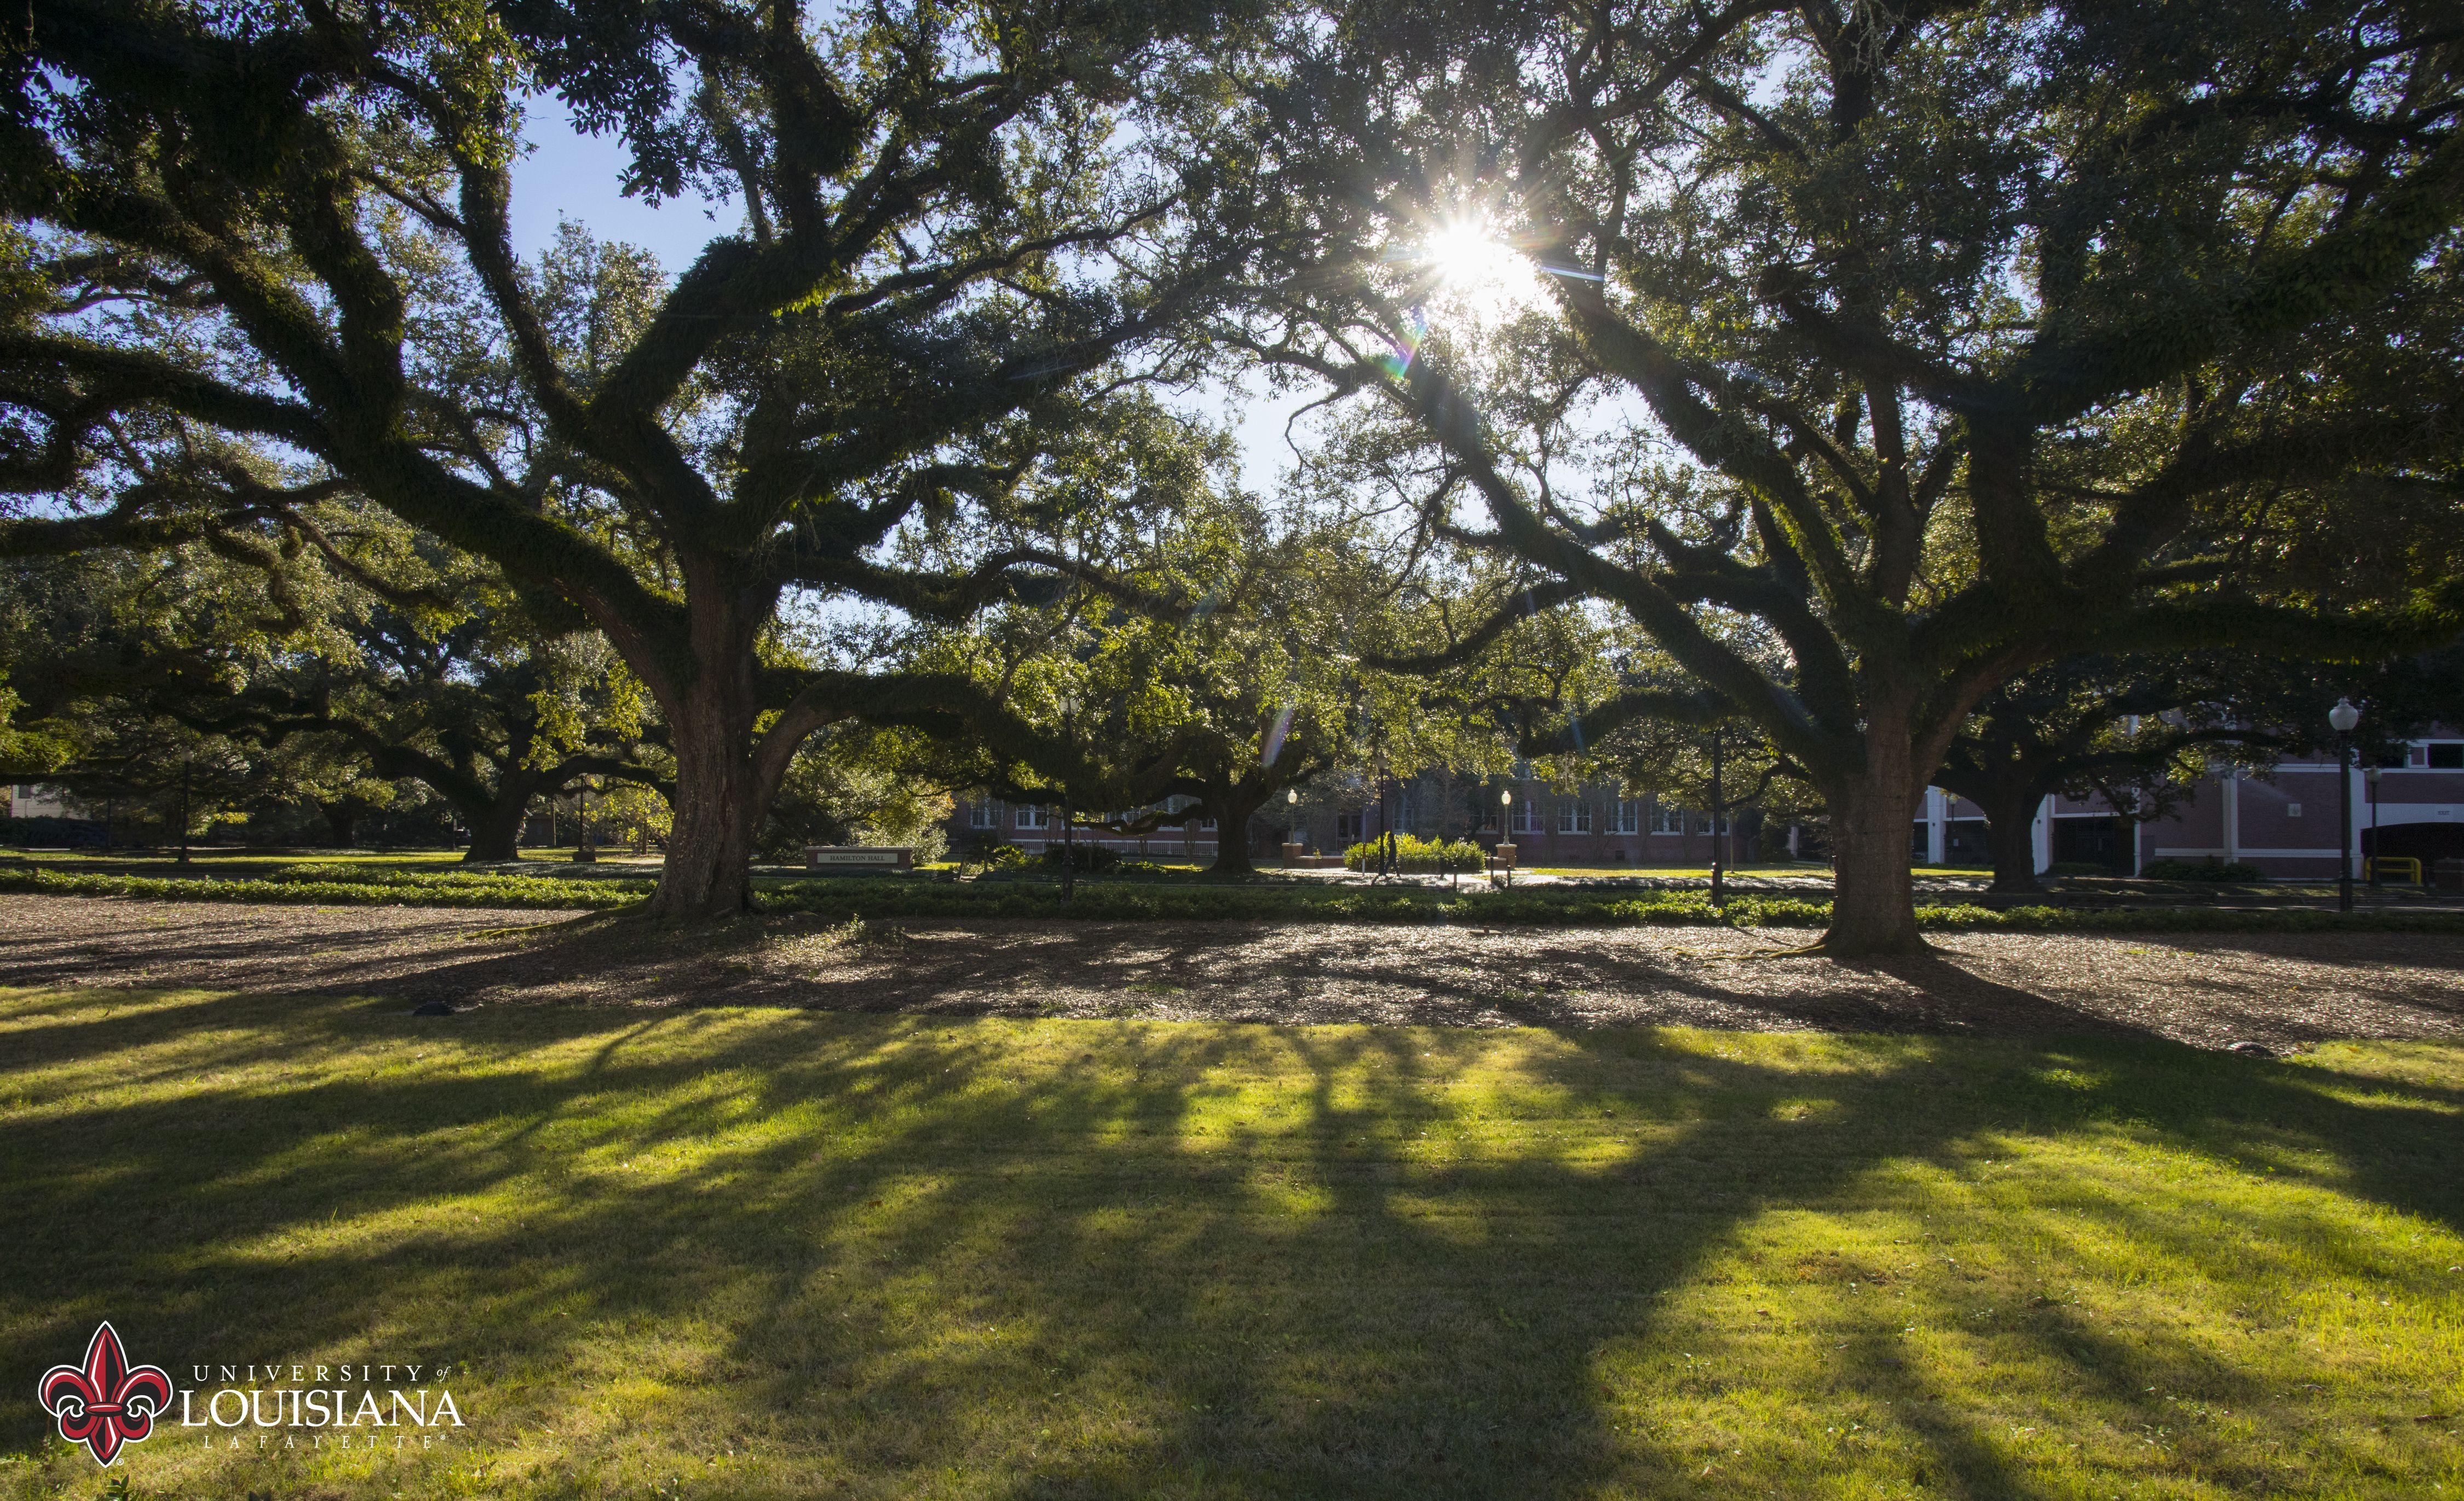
[106,647]
[1926,342]
[488,710]
[1203,689]
[292,226]
[2133,732]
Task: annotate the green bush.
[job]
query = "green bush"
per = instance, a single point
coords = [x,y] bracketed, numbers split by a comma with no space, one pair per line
[1085,858]
[346,888]
[2078,867]
[994,854]
[1418,855]
[2208,869]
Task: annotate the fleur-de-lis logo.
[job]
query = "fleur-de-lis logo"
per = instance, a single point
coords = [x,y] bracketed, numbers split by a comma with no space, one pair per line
[106,1403]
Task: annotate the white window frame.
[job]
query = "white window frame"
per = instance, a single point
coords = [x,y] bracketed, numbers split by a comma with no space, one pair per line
[1574,816]
[983,814]
[1526,818]
[1030,817]
[1625,816]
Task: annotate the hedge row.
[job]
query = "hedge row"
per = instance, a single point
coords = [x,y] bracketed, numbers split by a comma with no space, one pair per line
[1412,853]
[502,891]
[845,898]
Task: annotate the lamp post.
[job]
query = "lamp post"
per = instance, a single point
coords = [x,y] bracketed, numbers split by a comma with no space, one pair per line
[2371,862]
[1505,828]
[585,853]
[2344,717]
[1068,814]
[186,761]
[1717,837]
[1385,823]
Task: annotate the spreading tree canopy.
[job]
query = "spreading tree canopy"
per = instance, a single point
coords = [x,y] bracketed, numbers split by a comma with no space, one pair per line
[1879,353]
[289,229]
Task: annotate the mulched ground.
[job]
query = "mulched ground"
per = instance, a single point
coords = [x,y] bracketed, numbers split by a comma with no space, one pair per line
[2207,989]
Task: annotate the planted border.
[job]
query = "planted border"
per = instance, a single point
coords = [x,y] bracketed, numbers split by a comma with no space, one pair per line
[1147,901]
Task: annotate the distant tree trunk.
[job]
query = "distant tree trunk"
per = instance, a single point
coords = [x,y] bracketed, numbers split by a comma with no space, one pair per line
[2010,827]
[342,824]
[1232,816]
[497,829]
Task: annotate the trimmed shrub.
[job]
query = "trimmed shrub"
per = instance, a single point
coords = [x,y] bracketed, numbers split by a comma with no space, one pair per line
[48,830]
[1089,857]
[1418,855]
[2208,869]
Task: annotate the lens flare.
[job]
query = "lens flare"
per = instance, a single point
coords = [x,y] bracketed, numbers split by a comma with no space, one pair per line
[1477,272]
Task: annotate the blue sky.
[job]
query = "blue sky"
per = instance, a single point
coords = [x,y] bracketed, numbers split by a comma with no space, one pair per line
[569,175]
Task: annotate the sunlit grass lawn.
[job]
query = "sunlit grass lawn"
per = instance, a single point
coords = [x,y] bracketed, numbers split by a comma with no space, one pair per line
[754,1254]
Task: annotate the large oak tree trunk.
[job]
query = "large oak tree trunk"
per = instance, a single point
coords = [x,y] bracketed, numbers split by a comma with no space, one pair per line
[497,829]
[2010,827]
[1873,903]
[1232,839]
[719,806]
[726,770]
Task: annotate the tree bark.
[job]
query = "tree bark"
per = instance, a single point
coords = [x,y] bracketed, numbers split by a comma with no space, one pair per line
[1232,848]
[1873,902]
[2010,827]
[342,824]
[727,771]
[707,872]
[497,829]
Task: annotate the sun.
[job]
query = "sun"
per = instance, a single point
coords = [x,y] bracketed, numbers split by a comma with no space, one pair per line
[1477,272]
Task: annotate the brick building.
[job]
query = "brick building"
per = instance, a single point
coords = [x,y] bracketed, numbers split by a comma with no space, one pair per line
[2284,824]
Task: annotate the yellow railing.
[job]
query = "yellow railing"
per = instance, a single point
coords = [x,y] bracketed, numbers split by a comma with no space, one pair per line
[2386,868]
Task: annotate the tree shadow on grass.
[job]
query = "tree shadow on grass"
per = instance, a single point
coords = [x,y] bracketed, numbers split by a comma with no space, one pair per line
[914,1257]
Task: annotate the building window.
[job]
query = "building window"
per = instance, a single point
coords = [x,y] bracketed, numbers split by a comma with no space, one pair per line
[1206,825]
[1349,828]
[1625,816]
[1665,819]
[1030,818]
[982,813]
[1526,818]
[2447,756]
[1575,817]
[1489,820]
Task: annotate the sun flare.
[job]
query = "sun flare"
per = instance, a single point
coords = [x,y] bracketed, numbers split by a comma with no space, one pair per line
[1477,271]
